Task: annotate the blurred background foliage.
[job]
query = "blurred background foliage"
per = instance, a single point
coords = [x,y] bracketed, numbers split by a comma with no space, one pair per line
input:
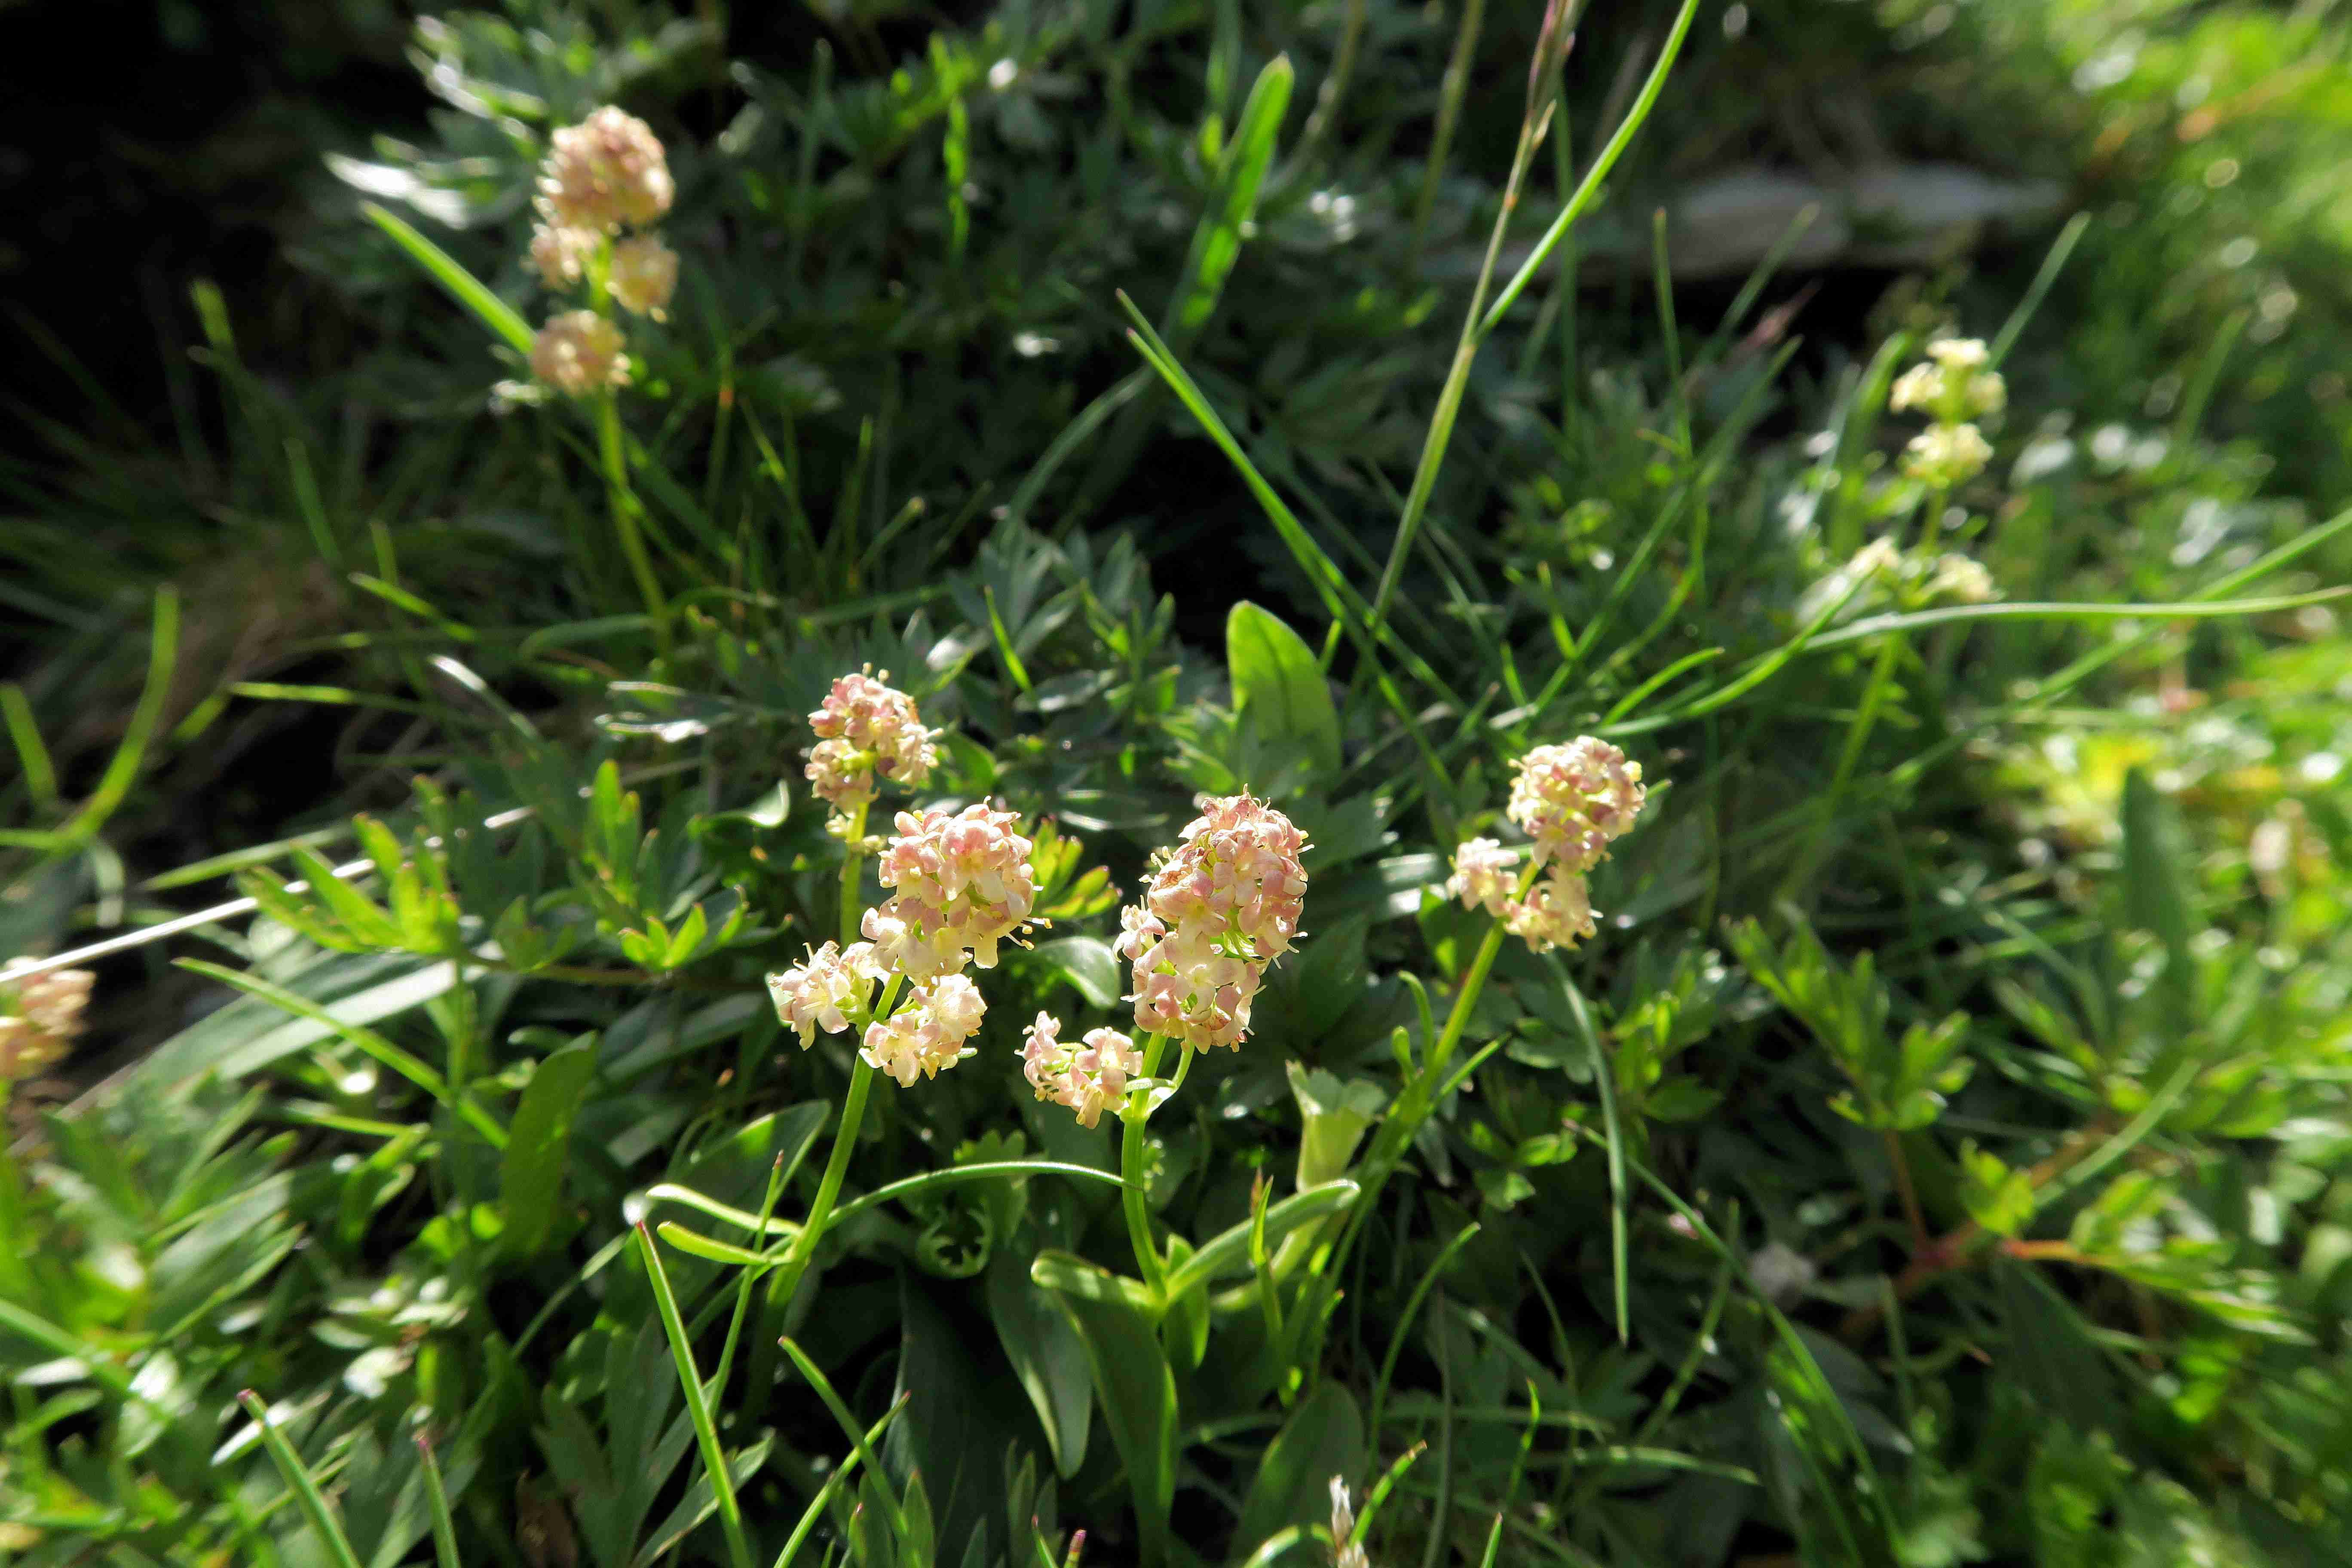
[894,415]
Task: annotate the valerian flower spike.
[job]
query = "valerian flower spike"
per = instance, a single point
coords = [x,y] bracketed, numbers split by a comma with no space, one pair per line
[1572,800]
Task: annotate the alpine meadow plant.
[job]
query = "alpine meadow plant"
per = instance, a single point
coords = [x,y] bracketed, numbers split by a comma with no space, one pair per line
[1500,931]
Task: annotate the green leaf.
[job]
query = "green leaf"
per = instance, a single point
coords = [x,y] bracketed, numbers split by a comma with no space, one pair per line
[1279,682]
[1217,243]
[1047,1356]
[1089,964]
[700,1502]
[252,1032]
[1324,1437]
[1997,1198]
[530,1180]
[949,1453]
[1132,1379]
[463,286]
[307,1496]
[716,1468]
[1229,1251]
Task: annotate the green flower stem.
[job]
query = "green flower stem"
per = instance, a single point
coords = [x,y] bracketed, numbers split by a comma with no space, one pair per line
[623,502]
[836,1167]
[1133,1175]
[1419,1096]
[852,916]
[1474,980]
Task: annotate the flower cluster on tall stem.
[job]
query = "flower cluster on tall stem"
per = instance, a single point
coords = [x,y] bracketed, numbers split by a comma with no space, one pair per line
[962,885]
[1222,908]
[601,177]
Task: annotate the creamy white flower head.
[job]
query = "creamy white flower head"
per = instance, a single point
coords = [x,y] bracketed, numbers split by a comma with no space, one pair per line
[1088,1077]
[580,353]
[1918,387]
[1943,456]
[928,1031]
[1484,877]
[1960,354]
[560,255]
[825,988]
[1961,579]
[1557,912]
[867,731]
[1781,1273]
[644,276]
[607,172]
[963,885]
[1572,799]
[1953,386]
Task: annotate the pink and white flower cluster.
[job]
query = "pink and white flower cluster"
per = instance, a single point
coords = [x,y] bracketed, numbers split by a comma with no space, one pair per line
[867,731]
[605,173]
[1087,1078]
[1486,877]
[963,885]
[1572,800]
[928,1031]
[825,988]
[1557,912]
[1223,906]
[580,353]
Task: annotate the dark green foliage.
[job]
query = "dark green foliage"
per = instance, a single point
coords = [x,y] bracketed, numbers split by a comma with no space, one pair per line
[1937,1155]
